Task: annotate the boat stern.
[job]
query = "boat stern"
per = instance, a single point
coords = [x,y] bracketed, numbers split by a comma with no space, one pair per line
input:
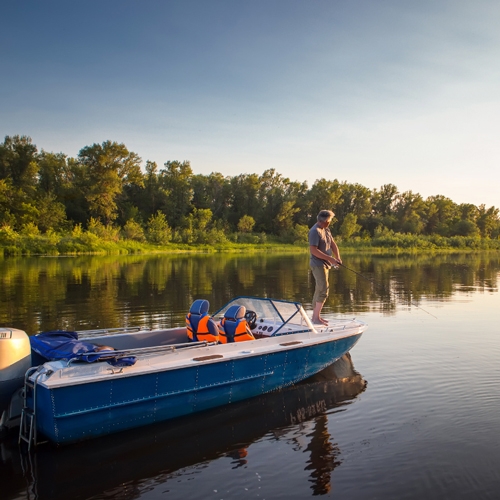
[15,359]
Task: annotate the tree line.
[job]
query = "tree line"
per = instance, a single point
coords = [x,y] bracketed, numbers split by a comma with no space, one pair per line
[105,191]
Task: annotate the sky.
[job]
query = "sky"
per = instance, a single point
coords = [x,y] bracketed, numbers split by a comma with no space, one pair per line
[373,92]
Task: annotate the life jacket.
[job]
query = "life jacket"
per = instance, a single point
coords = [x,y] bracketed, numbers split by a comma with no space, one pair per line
[200,326]
[206,331]
[233,327]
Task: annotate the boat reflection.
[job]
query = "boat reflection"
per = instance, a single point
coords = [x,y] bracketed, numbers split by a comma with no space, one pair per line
[125,465]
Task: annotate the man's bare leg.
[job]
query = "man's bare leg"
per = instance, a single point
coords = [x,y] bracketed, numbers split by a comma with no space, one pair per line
[316,317]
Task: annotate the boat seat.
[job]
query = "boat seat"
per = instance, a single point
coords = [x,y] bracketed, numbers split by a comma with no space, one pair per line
[233,327]
[200,326]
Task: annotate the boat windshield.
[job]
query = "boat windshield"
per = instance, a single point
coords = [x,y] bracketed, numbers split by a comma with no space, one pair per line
[278,312]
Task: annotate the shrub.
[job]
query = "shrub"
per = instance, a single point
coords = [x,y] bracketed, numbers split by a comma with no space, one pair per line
[246,224]
[107,233]
[133,231]
[158,231]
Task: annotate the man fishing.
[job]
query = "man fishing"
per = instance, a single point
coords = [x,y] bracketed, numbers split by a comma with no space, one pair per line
[322,246]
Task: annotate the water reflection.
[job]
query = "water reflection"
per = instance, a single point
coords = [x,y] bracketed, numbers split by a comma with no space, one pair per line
[323,458]
[47,293]
[126,465]
[155,291]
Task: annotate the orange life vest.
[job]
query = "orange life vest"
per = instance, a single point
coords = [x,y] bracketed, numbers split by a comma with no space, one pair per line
[204,331]
[234,331]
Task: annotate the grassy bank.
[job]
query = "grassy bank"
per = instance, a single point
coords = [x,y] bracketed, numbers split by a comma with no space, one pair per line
[51,243]
[407,243]
[87,243]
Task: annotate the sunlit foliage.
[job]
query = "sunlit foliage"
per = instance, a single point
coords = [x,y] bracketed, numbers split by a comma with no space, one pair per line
[50,203]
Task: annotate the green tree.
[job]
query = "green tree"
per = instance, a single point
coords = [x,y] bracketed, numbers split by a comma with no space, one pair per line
[175,179]
[201,218]
[464,228]
[284,218]
[383,216]
[53,172]
[147,198]
[440,214]
[213,192]
[51,213]
[297,192]
[384,199]
[133,231]
[246,224]
[243,198]
[487,220]
[7,193]
[18,162]
[105,232]
[271,196]
[158,230]
[108,168]
[465,224]
[197,226]
[75,202]
[355,199]
[323,195]
[409,208]
[18,173]
[468,211]
[349,227]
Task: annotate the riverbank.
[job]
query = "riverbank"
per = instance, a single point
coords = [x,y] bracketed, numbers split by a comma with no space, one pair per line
[88,243]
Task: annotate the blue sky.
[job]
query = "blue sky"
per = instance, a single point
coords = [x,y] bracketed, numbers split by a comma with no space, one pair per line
[365,91]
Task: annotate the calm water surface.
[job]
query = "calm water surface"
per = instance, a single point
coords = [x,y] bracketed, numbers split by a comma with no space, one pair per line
[412,413]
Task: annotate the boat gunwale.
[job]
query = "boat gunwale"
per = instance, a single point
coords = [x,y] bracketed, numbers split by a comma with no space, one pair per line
[96,372]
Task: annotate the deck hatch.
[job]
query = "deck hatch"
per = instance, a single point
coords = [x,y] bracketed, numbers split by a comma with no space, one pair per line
[206,358]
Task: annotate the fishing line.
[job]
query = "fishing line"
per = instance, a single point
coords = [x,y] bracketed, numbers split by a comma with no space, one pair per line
[381,285]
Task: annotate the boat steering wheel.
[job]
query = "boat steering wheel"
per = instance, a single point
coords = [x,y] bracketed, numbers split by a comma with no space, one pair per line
[251,317]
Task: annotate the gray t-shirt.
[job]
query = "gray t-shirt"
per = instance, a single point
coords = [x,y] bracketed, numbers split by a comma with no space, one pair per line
[322,239]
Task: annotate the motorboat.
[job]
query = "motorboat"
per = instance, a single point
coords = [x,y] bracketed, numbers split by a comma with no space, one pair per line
[156,453]
[146,376]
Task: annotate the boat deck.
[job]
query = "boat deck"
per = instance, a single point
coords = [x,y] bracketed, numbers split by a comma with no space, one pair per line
[159,350]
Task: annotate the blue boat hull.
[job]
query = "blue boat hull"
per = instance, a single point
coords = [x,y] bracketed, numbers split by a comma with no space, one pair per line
[74,413]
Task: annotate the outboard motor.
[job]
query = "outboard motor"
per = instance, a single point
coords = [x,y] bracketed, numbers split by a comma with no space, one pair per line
[15,359]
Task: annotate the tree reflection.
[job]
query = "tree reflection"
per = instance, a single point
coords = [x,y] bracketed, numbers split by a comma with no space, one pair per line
[89,292]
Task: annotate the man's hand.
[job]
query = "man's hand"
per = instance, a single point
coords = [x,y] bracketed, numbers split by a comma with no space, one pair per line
[336,262]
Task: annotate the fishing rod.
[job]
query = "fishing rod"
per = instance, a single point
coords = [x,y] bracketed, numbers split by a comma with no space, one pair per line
[381,285]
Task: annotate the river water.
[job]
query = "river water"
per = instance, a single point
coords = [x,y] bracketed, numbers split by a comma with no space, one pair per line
[412,413]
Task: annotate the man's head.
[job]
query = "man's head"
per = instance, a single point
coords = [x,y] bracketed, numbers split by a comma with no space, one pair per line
[325,217]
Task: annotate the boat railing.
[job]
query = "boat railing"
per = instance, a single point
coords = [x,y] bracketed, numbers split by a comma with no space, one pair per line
[142,352]
[110,331]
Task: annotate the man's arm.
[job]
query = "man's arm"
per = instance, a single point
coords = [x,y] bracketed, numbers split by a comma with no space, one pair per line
[336,252]
[323,256]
